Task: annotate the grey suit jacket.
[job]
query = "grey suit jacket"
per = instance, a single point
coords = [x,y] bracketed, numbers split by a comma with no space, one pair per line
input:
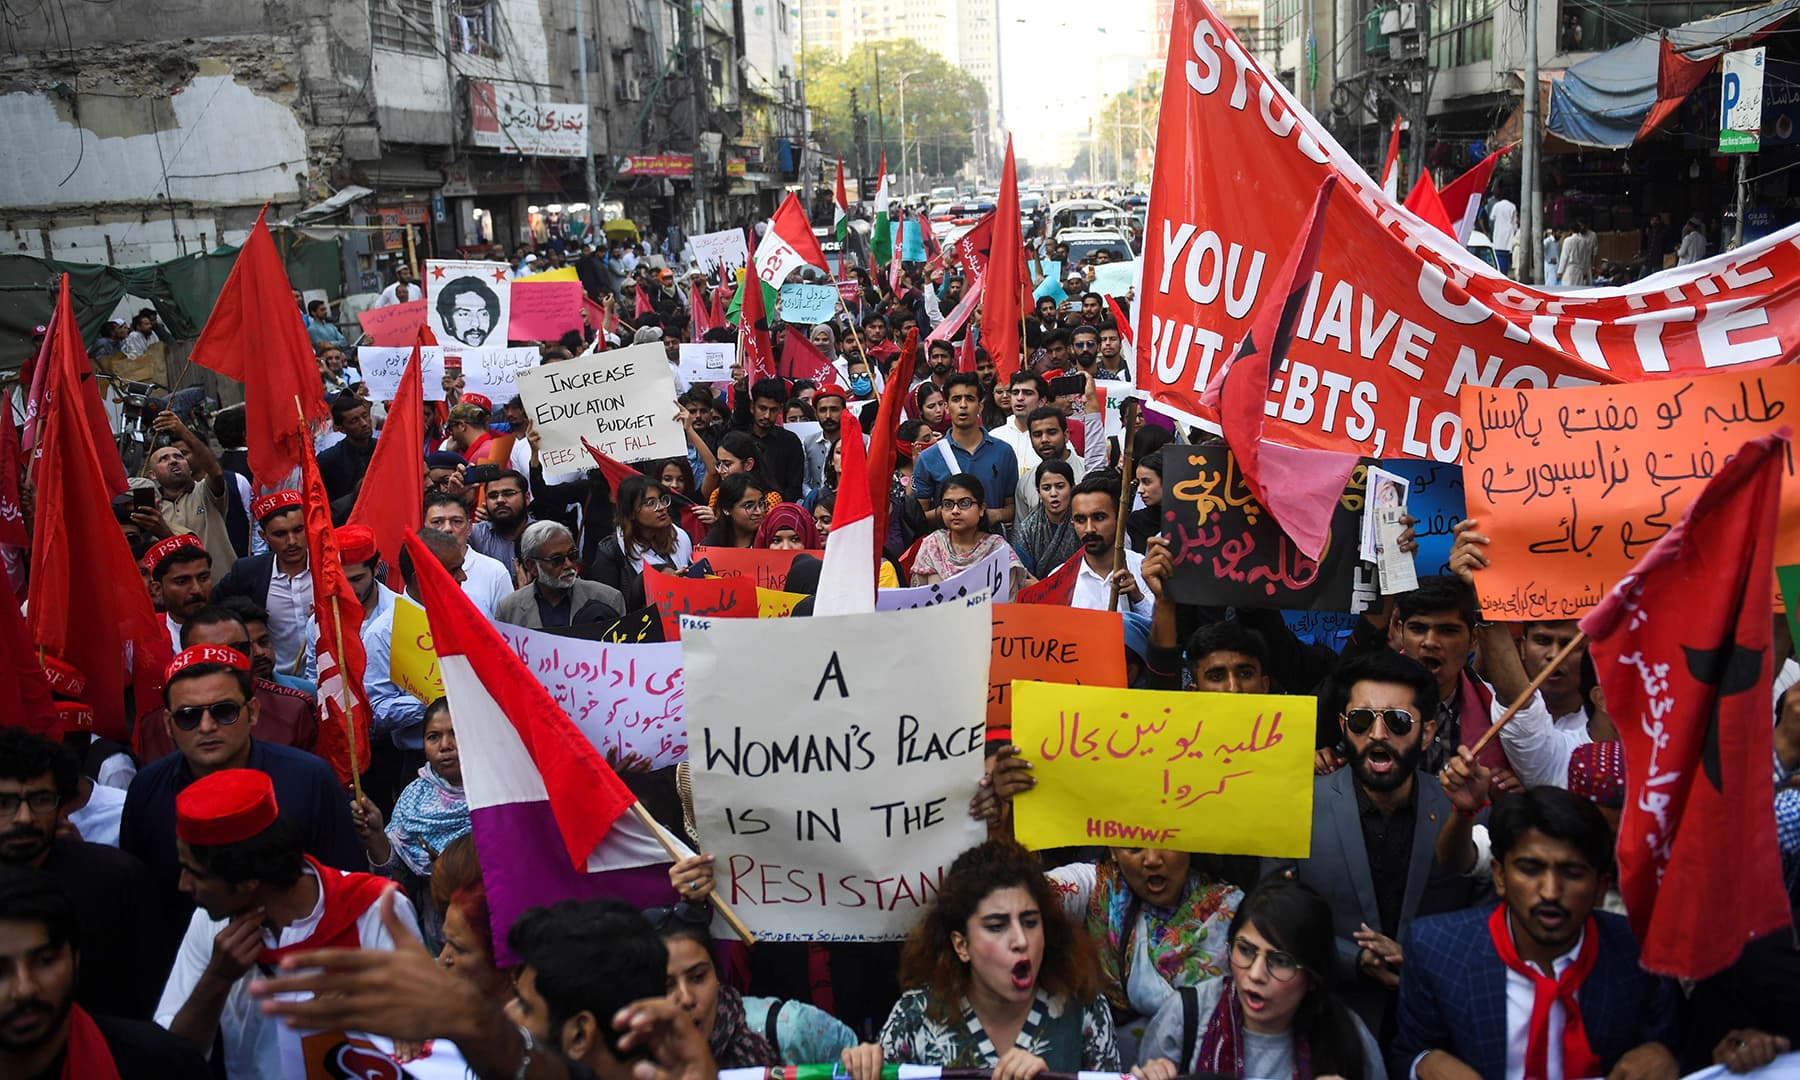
[593,603]
[1339,869]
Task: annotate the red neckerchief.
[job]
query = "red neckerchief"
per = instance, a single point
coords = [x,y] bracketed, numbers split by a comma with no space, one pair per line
[347,896]
[1578,1057]
[86,1055]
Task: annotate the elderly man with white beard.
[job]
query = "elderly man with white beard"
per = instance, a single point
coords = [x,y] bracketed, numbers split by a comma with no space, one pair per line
[557,594]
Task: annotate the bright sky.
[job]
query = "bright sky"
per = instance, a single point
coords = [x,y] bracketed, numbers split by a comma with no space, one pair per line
[1059,60]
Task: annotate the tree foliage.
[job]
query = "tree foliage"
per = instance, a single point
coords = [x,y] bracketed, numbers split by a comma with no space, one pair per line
[944,107]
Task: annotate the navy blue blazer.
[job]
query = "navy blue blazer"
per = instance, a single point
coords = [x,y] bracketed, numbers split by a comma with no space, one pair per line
[247,577]
[1453,995]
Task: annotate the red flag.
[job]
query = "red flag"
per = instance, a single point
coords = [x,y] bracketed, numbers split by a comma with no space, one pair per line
[1390,168]
[801,359]
[1683,649]
[616,472]
[87,600]
[392,496]
[644,306]
[959,315]
[343,704]
[753,331]
[24,691]
[1120,318]
[1462,196]
[893,275]
[255,336]
[1300,488]
[884,435]
[697,312]
[12,516]
[1057,588]
[934,253]
[1423,200]
[1001,310]
[965,356]
[971,250]
[721,299]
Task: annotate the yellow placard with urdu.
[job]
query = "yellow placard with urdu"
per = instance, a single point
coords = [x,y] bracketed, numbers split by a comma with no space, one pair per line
[1229,774]
[775,604]
[413,662]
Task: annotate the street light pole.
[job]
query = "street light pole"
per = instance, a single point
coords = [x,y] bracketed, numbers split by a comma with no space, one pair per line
[904,175]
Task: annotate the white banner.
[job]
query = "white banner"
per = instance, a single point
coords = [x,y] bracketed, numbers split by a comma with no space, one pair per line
[991,575]
[622,401]
[504,119]
[707,361]
[835,804]
[467,303]
[383,367]
[625,698]
[495,372]
[725,250]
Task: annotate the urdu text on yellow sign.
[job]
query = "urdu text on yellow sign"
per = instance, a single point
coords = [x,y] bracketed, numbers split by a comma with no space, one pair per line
[1229,774]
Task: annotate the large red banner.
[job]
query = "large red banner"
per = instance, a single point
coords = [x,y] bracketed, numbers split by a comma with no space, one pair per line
[1399,316]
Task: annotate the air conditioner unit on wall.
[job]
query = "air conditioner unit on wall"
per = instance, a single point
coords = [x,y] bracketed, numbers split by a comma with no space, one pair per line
[631,89]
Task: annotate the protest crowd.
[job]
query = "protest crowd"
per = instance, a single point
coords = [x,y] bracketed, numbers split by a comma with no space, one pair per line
[657,664]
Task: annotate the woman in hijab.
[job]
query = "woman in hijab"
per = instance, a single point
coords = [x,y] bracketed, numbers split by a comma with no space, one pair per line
[788,527]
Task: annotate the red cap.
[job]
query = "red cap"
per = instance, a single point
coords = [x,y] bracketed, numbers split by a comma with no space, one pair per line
[480,401]
[273,503]
[356,543]
[225,807]
[165,548]
[205,654]
[72,716]
[66,680]
[1597,773]
[831,389]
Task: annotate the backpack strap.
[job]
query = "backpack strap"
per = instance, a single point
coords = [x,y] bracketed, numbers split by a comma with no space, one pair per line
[771,1021]
[1190,1027]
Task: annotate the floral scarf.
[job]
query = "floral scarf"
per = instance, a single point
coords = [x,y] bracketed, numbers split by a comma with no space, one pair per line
[1187,942]
[937,555]
[733,1044]
[429,814]
[1222,1042]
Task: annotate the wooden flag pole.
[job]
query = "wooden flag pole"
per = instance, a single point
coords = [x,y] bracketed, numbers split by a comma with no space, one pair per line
[337,627]
[656,830]
[1127,478]
[1530,689]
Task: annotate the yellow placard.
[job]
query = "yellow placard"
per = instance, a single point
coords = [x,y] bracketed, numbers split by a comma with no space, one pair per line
[562,273]
[775,604]
[413,662]
[1229,774]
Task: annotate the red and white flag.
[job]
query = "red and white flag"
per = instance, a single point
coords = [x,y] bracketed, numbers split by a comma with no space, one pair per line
[1682,645]
[1390,168]
[1299,487]
[1424,201]
[787,246]
[343,703]
[552,821]
[1462,196]
[946,330]
[754,347]
[847,579]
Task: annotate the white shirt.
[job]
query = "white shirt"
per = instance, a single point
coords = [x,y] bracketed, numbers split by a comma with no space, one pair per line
[1091,590]
[1539,747]
[290,605]
[116,772]
[174,633]
[1028,459]
[252,1044]
[98,821]
[1692,249]
[1503,216]
[391,295]
[488,582]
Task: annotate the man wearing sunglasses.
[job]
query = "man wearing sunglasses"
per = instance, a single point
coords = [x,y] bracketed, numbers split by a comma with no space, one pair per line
[557,594]
[211,713]
[1379,825]
[283,715]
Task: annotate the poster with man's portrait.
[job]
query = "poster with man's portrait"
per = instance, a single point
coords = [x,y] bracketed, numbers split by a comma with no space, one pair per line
[467,304]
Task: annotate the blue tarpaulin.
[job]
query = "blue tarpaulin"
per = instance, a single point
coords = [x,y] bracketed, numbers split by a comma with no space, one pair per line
[1604,101]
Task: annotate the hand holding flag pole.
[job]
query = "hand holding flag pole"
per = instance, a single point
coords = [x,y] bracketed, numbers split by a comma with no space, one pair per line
[1127,479]
[1530,689]
[676,854]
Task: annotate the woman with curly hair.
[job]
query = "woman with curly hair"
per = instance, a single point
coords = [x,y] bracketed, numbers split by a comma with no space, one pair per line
[1001,979]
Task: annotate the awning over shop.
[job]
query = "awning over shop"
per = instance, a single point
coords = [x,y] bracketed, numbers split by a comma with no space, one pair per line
[1622,95]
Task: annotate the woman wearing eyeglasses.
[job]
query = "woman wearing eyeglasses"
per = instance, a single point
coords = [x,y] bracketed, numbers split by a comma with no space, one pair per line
[1002,979]
[742,505]
[644,534]
[742,1032]
[1275,1015]
[961,543]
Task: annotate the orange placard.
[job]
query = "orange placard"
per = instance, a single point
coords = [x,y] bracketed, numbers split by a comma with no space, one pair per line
[394,326]
[1573,486]
[718,597]
[1046,643]
[765,568]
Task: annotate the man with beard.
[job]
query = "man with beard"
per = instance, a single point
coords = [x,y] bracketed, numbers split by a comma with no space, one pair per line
[785,460]
[1112,360]
[284,715]
[828,409]
[212,715]
[1489,992]
[940,363]
[557,594]
[1094,511]
[485,581]
[180,580]
[45,1032]
[279,580]
[259,897]
[113,895]
[1435,625]
[192,494]
[262,647]
[342,466]
[507,500]
[1377,828]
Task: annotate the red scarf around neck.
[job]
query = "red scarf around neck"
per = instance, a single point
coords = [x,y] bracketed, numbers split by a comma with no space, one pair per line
[347,896]
[1578,1058]
[86,1056]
